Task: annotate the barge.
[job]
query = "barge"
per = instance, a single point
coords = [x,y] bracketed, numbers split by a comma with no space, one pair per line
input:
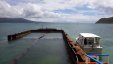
[76,53]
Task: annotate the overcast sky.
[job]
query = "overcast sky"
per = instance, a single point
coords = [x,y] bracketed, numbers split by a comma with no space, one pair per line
[57,10]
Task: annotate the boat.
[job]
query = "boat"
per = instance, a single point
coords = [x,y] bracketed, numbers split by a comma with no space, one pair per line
[89,42]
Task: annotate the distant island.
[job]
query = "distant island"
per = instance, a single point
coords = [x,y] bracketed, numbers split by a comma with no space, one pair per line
[105,21]
[15,20]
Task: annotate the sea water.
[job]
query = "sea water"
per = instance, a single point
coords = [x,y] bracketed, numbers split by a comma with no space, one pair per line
[105,31]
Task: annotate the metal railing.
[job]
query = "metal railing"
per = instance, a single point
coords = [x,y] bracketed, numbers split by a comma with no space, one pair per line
[96,60]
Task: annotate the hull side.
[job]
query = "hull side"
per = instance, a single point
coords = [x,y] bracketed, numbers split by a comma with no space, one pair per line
[93,50]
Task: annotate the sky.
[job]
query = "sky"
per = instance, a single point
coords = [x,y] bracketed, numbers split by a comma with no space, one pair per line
[80,11]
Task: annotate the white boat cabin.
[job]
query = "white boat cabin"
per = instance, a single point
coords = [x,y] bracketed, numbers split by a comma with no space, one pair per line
[88,42]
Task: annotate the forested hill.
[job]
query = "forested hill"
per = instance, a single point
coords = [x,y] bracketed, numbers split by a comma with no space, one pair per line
[105,20]
[15,20]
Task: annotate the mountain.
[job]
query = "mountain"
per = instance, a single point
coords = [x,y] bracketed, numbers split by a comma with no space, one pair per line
[15,20]
[105,20]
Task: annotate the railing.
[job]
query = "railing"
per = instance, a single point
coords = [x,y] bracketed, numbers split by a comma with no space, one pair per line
[98,58]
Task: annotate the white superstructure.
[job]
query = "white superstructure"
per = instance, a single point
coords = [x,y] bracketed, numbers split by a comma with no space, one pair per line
[90,43]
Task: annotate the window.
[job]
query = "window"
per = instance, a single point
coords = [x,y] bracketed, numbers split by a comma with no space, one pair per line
[97,40]
[90,41]
[85,41]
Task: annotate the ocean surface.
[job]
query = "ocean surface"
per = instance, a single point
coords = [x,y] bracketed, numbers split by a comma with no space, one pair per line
[9,51]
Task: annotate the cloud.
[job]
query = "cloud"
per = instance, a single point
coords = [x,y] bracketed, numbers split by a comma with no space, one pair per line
[105,6]
[79,18]
[7,10]
[22,10]
[44,10]
[62,4]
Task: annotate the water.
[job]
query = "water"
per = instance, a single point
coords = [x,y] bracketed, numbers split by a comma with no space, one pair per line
[73,29]
[47,51]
